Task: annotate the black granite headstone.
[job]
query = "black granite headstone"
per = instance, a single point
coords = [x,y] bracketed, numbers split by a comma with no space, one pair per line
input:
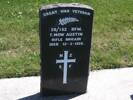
[65,34]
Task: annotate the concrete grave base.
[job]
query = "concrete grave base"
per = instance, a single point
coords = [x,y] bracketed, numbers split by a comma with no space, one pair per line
[113,84]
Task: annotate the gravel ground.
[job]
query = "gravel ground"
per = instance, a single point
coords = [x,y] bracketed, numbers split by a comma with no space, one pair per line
[113,84]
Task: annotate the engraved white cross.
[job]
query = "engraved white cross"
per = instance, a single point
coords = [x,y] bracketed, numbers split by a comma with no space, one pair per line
[65,61]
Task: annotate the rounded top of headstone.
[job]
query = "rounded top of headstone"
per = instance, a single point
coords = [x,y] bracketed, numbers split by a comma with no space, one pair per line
[50,6]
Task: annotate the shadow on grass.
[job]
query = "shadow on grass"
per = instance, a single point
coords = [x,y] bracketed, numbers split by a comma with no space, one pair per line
[38,97]
[131,97]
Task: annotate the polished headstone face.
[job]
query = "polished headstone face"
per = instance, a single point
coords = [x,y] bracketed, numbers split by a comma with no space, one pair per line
[65,34]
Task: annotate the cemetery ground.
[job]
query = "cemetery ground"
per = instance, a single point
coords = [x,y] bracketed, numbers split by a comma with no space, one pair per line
[112,84]
[112,42]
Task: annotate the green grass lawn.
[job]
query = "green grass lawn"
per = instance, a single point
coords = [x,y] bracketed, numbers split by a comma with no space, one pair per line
[112,45]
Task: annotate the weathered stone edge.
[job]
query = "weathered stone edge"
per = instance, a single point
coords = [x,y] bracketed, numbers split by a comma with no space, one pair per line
[50,6]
